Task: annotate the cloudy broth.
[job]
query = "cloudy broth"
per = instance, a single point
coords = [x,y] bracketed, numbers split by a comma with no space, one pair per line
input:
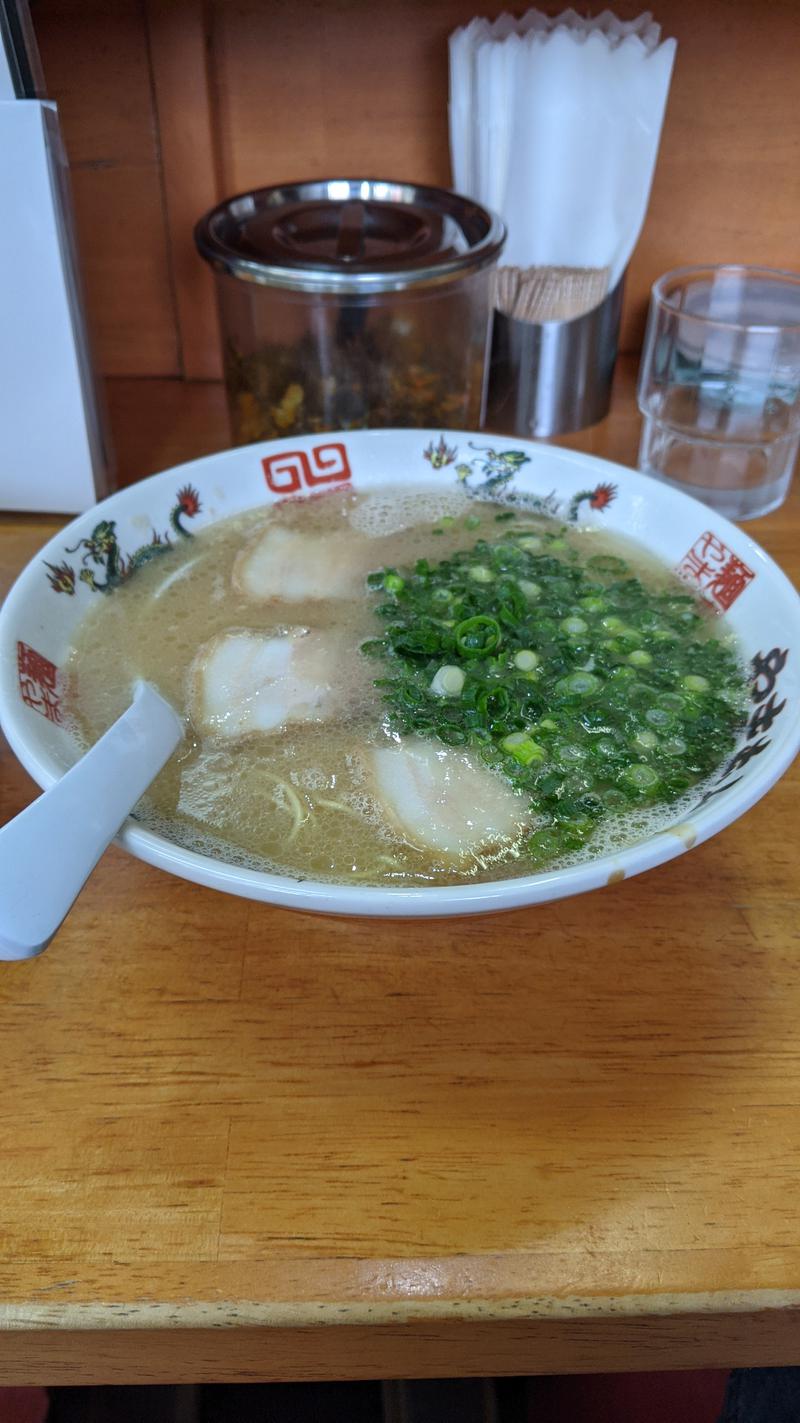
[303,800]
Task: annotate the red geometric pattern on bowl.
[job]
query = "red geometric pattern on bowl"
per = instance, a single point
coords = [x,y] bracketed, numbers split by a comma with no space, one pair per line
[287,472]
[38,682]
[713,568]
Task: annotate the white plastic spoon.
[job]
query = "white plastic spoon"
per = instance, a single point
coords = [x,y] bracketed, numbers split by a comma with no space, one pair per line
[78,816]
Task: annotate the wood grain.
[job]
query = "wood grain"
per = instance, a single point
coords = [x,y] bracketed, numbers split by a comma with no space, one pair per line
[96,66]
[178,46]
[444,1349]
[287,91]
[306,91]
[727,183]
[157,424]
[244,1143]
[123,248]
[94,57]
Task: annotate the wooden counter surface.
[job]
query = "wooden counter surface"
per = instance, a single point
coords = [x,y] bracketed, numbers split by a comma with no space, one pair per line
[244,1143]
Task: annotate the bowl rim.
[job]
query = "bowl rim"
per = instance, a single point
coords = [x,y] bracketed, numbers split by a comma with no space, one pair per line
[427,901]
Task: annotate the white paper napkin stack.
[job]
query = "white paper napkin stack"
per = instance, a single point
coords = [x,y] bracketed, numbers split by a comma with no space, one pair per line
[555,124]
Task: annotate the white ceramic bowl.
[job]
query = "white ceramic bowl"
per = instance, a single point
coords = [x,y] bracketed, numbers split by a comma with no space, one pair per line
[106,544]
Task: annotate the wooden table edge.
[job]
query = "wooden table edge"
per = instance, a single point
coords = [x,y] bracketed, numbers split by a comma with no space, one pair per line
[236,1341]
[113,1315]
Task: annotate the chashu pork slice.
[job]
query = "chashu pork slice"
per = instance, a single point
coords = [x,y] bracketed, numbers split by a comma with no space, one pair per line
[445,800]
[301,567]
[247,681]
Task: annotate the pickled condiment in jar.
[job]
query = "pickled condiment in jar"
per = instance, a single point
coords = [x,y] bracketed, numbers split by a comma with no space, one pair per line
[348,303]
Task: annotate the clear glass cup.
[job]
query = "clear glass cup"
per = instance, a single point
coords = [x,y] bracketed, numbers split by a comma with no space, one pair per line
[719,386]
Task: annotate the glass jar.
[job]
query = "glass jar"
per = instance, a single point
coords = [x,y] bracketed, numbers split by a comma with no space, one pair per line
[350,303]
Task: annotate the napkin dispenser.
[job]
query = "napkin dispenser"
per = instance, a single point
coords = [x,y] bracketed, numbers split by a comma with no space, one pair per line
[52,453]
[555,124]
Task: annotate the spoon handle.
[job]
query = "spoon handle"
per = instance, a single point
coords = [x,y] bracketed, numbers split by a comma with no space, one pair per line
[48,852]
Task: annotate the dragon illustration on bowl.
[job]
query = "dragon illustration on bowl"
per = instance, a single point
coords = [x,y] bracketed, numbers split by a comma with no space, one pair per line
[101,549]
[489,473]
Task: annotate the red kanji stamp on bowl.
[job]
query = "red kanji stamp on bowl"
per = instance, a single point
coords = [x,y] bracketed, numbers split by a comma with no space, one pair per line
[718,573]
[38,682]
[287,472]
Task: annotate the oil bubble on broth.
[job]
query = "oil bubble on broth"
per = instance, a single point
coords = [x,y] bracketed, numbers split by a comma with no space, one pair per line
[543,693]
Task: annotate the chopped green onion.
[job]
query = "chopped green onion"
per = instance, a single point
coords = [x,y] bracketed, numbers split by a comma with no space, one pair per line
[671,702]
[579,684]
[558,684]
[494,701]
[448,682]
[640,776]
[673,746]
[613,800]
[644,741]
[575,833]
[544,844]
[574,626]
[477,637]
[677,782]
[532,591]
[422,641]
[523,748]
[606,563]
[569,753]
[657,716]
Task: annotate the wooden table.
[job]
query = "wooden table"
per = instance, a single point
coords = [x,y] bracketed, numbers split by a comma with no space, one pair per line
[244,1143]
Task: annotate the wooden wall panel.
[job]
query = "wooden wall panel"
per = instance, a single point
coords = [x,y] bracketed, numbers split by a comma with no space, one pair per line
[289,89]
[331,86]
[276,100]
[350,86]
[120,221]
[96,65]
[727,184]
[94,57]
[179,58]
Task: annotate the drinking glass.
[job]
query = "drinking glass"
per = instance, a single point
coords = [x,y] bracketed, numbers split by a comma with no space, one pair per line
[719,386]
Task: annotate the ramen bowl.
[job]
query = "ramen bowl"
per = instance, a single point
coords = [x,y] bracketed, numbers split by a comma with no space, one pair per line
[104,547]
